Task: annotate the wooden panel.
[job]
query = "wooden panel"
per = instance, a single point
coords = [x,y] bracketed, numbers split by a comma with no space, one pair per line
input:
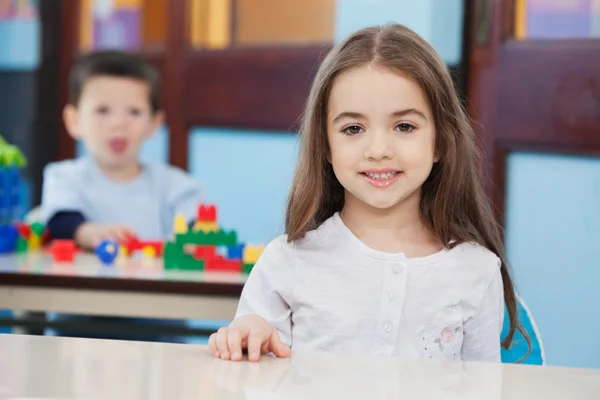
[154,22]
[528,95]
[173,67]
[546,101]
[253,89]
[211,23]
[68,48]
[269,22]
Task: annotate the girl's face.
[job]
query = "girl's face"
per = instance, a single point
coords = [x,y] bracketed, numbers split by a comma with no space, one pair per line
[381,135]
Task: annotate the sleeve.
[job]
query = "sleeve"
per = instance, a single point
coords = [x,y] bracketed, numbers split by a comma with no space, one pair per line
[59,192]
[268,287]
[184,194]
[64,224]
[483,330]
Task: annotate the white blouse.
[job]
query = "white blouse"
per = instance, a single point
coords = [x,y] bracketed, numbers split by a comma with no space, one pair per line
[330,292]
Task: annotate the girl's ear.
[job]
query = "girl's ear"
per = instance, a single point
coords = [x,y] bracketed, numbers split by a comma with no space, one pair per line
[436,157]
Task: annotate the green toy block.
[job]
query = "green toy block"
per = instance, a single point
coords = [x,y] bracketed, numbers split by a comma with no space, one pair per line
[37,228]
[175,259]
[22,245]
[221,238]
[190,264]
[11,155]
[247,268]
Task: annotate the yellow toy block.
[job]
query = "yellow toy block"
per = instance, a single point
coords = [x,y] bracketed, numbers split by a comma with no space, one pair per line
[123,252]
[149,252]
[34,243]
[205,227]
[252,253]
[180,226]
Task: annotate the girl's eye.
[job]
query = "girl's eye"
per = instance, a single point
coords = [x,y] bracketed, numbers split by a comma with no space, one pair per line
[405,127]
[102,110]
[353,130]
[135,111]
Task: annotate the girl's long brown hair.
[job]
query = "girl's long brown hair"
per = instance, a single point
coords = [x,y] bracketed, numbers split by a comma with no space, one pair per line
[453,203]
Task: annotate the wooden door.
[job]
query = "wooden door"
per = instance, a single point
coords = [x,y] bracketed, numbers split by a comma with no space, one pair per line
[533,79]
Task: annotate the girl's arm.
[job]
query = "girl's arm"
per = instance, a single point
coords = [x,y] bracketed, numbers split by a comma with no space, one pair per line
[482,331]
[269,286]
[263,321]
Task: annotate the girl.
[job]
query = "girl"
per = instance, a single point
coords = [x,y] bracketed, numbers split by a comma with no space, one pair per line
[391,246]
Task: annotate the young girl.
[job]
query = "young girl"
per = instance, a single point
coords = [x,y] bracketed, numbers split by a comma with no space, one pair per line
[391,246]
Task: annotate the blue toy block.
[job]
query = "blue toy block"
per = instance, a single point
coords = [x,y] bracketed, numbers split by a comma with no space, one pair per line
[107,251]
[235,252]
[11,195]
[8,238]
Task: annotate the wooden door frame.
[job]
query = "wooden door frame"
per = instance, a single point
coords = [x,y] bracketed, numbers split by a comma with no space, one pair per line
[549,91]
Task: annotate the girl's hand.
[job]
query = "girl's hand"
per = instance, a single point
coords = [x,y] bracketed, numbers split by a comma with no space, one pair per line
[248,332]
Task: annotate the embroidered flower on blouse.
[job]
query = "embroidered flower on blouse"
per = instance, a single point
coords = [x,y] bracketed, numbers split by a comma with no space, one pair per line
[447,336]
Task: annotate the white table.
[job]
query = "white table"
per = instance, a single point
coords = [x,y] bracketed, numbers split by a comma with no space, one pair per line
[53,368]
[34,283]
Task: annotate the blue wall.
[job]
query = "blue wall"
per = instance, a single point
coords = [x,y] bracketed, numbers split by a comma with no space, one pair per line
[552,238]
[19,44]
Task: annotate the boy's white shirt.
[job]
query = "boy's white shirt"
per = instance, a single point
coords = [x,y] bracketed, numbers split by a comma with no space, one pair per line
[330,292]
[148,203]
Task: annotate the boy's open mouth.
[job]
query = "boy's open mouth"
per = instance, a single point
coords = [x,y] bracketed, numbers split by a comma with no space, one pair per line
[118,146]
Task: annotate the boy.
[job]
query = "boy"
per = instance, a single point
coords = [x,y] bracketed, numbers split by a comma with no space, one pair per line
[114,105]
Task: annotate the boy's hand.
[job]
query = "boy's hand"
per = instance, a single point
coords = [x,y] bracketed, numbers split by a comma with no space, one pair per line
[90,234]
[249,332]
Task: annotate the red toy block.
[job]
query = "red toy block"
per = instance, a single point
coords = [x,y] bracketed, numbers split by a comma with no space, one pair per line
[207,213]
[24,231]
[133,244]
[204,252]
[220,264]
[63,250]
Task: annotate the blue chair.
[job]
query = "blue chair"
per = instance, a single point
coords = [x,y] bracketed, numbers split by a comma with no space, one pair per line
[518,349]
[6,314]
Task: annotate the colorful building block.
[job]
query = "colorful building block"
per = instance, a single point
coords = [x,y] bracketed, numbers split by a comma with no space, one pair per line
[252,253]
[8,238]
[207,213]
[63,250]
[207,247]
[180,225]
[107,251]
[11,184]
[221,264]
[235,252]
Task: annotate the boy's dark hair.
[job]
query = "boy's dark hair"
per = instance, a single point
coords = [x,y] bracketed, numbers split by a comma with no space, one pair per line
[115,64]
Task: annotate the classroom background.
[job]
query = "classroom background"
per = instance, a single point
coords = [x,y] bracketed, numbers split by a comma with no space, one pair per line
[236,79]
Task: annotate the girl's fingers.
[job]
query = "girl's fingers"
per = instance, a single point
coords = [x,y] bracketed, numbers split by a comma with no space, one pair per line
[222,344]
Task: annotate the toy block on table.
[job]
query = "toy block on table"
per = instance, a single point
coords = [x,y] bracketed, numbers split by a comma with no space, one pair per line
[221,264]
[63,250]
[207,213]
[8,238]
[12,161]
[196,248]
[107,251]
[133,244]
[235,252]
[180,225]
[176,259]
[30,237]
[250,257]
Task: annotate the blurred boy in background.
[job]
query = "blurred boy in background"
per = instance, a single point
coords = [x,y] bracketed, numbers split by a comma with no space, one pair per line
[114,105]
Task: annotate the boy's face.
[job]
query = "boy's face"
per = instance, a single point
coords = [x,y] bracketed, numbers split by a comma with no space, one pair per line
[113,118]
